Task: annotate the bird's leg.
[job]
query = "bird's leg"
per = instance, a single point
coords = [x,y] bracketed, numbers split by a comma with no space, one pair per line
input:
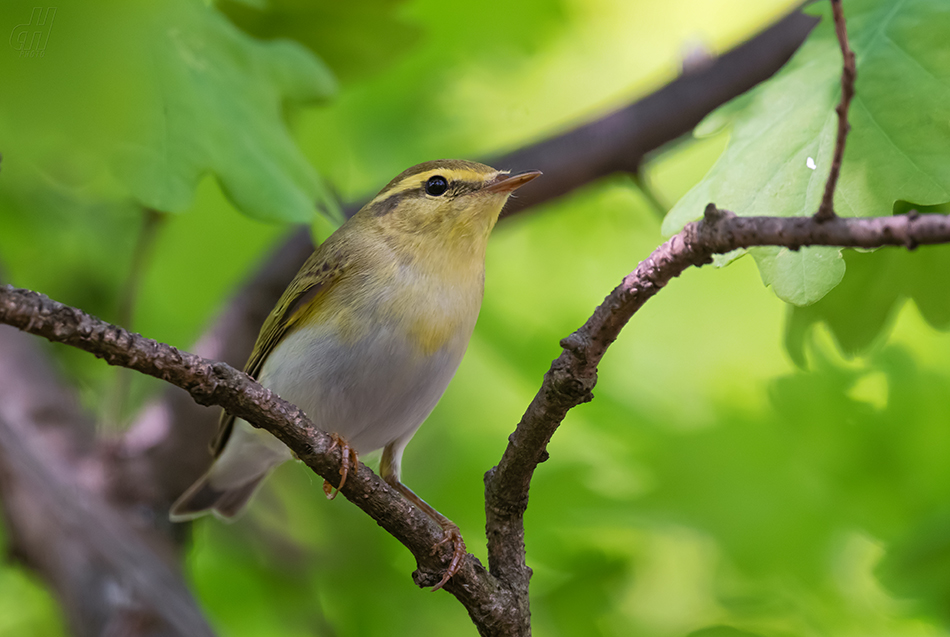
[348,456]
[450,531]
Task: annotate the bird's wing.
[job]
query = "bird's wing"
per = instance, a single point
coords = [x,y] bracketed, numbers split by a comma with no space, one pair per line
[302,296]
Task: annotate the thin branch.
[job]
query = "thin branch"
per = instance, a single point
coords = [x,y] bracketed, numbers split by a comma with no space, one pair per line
[849,74]
[573,374]
[618,141]
[215,383]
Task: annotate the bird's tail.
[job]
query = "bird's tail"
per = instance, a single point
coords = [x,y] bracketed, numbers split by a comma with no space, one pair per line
[248,456]
[203,498]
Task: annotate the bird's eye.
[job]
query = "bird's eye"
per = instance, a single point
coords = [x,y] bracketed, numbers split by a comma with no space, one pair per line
[436,185]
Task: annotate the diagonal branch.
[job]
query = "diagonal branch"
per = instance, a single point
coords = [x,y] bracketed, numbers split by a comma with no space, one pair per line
[573,374]
[215,383]
[620,140]
[849,74]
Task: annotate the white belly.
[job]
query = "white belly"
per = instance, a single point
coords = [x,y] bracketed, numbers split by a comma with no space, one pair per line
[371,393]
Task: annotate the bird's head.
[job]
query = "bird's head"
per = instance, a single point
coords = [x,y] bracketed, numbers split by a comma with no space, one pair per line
[445,200]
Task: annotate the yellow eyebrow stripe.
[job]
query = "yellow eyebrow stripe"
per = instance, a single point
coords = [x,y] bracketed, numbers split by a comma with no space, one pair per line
[414,181]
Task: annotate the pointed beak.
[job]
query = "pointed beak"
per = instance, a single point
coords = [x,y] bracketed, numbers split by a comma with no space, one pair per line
[509,183]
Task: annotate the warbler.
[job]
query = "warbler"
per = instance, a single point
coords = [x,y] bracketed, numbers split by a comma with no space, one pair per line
[369,333]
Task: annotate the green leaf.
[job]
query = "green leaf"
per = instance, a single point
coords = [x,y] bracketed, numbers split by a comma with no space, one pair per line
[864,305]
[214,104]
[779,156]
[799,276]
[355,39]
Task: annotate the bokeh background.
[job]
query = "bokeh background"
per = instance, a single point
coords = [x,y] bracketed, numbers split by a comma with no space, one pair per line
[714,487]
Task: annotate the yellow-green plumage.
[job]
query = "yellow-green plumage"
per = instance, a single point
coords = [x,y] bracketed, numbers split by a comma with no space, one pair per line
[372,328]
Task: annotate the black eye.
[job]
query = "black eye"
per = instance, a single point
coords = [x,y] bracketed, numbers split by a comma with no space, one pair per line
[436,185]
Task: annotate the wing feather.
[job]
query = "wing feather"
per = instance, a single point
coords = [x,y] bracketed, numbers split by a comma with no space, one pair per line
[304,294]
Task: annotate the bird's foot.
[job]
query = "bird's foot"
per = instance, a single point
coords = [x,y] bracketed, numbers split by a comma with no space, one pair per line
[451,534]
[348,457]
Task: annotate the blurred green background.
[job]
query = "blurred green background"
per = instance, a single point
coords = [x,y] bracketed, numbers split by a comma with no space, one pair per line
[713,487]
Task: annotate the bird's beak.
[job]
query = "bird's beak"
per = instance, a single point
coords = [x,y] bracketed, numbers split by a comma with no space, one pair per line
[509,183]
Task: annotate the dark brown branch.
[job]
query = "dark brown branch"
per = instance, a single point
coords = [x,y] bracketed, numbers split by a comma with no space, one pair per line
[216,383]
[573,374]
[849,74]
[619,141]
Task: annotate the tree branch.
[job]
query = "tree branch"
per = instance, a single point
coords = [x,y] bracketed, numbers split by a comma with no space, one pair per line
[618,141]
[215,383]
[849,74]
[572,376]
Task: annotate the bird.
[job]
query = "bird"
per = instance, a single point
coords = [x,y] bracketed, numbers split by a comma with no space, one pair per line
[367,336]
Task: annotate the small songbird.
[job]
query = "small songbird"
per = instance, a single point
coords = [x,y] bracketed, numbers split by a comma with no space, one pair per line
[369,333]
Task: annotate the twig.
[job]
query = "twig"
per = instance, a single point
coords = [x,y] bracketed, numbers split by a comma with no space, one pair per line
[215,383]
[849,74]
[573,374]
[618,141]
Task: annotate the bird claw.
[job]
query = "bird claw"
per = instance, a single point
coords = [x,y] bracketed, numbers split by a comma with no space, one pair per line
[348,457]
[451,534]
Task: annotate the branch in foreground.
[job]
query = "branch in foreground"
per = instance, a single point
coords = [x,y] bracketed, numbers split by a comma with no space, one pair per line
[573,374]
[215,383]
[849,74]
